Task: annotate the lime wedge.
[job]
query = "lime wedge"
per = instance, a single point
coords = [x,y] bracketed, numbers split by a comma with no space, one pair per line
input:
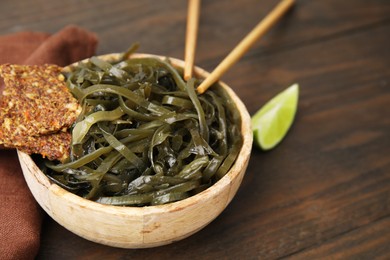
[271,123]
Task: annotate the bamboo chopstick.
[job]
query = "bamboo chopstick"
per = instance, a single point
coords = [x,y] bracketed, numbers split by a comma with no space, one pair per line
[192,30]
[261,28]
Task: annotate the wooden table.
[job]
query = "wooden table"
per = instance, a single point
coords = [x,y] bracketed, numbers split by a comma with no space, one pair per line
[324,192]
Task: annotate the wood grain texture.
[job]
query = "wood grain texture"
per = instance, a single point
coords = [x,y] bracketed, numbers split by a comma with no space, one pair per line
[324,192]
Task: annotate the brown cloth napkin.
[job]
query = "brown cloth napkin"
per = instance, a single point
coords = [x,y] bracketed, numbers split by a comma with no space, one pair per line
[21,216]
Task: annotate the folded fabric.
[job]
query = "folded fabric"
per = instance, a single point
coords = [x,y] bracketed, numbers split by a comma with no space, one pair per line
[21,216]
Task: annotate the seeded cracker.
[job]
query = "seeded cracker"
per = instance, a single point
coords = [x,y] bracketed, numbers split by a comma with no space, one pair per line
[52,146]
[35,105]
[37,100]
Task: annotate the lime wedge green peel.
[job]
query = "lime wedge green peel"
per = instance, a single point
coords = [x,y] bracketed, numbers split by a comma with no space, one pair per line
[271,123]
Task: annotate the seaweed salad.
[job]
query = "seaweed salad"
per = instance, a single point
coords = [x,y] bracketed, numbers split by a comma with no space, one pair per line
[144,136]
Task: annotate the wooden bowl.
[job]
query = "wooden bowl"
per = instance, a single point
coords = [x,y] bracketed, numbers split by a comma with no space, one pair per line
[141,227]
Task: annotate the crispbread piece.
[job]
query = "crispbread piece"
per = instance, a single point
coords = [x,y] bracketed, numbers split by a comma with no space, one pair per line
[35,101]
[36,109]
[54,146]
